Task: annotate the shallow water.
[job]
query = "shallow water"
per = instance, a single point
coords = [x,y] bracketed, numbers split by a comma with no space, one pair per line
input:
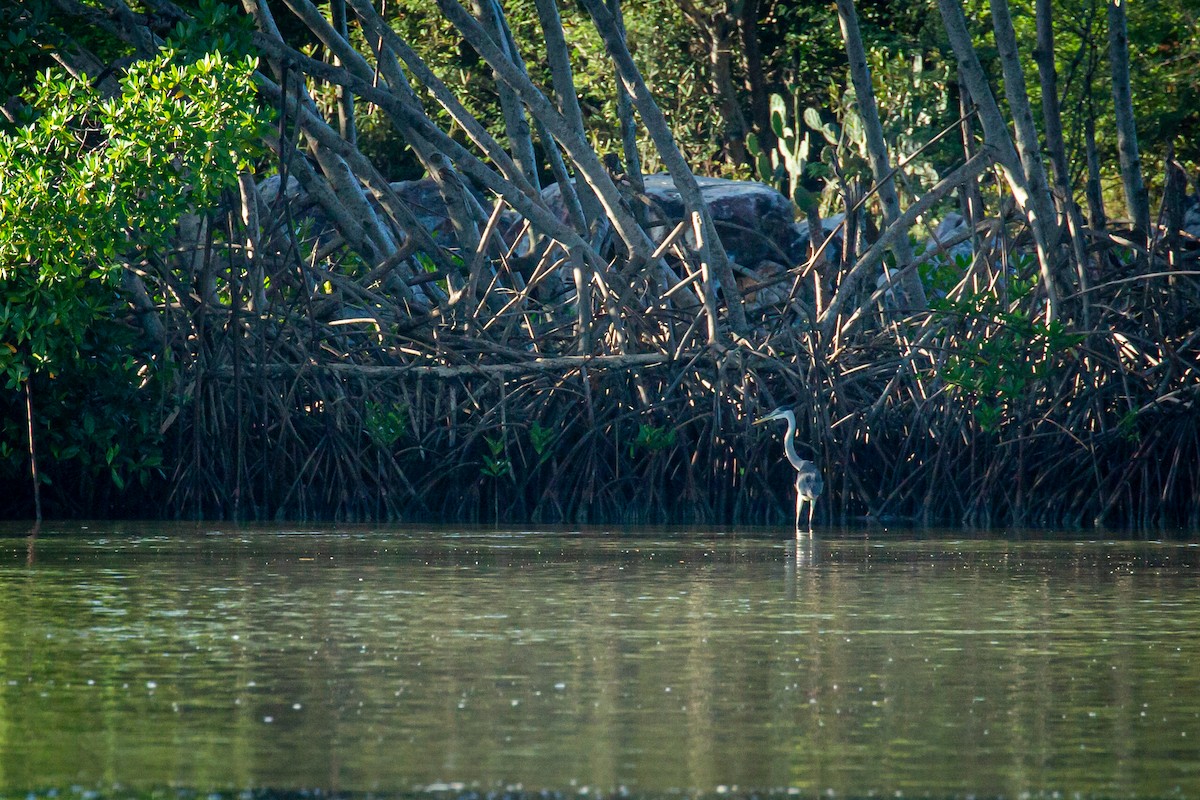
[388,660]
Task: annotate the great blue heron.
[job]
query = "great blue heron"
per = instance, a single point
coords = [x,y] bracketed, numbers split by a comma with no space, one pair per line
[809,484]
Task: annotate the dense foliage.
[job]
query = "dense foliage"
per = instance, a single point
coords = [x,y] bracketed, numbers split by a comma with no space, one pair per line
[90,186]
[213,297]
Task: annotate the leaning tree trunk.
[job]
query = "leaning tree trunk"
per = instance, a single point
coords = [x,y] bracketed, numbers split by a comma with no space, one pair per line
[1028,146]
[1136,199]
[877,149]
[628,127]
[345,100]
[713,257]
[995,132]
[516,124]
[1056,147]
[586,162]
[752,63]
[344,196]
[578,200]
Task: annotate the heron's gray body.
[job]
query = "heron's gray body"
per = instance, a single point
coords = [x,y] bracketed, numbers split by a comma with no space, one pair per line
[809,483]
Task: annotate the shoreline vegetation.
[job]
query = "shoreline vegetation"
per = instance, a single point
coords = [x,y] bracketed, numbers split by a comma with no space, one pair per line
[322,351]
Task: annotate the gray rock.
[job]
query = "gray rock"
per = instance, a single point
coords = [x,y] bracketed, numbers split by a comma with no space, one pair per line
[1191,216]
[829,225]
[754,221]
[952,226]
[420,196]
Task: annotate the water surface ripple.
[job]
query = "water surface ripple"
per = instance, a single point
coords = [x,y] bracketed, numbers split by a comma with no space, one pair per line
[399,660]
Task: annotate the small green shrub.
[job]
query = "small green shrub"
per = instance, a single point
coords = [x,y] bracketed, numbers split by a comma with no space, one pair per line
[87,187]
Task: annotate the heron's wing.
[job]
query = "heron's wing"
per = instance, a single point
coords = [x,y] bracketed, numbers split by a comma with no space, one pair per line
[809,482]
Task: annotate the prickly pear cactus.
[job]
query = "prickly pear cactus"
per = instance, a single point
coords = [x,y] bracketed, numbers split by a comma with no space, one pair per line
[786,165]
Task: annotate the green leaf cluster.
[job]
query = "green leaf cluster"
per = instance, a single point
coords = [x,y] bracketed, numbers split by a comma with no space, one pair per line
[652,439]
[87,185]
[785,166]
[496,463]
[541,438]
[92,180]
[386,424]
[998,370]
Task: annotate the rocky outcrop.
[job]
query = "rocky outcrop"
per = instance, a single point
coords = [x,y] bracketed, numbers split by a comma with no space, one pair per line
[420,196]
[754,221]
[756,224]
[950,242]
[1191,217]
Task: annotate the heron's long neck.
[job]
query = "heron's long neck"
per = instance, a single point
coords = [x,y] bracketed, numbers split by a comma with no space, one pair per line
[789,445]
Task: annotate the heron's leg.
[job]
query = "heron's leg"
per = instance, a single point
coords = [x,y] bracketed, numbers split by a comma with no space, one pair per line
[799,508]
[812,506]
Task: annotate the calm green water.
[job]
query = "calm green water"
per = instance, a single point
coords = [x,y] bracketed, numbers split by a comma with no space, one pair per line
[391,660]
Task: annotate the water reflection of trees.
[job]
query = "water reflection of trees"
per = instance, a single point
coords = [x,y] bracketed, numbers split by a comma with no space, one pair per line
[852,665]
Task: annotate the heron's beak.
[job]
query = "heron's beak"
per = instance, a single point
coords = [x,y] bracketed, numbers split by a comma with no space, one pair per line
[761,421]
